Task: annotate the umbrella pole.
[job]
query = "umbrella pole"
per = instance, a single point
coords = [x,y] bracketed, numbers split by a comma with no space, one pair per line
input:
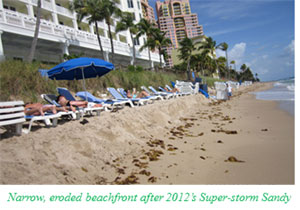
[83,82]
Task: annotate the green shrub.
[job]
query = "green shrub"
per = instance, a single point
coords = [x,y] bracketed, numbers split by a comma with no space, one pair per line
[139,68]
[131,68]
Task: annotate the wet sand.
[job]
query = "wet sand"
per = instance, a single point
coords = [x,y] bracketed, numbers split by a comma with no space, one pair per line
[188,140]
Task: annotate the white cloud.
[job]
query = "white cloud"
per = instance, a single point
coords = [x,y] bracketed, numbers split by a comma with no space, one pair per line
[237,53]
[290,49]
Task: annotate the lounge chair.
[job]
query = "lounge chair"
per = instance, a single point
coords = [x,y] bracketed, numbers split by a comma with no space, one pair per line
[51,98]
[154,96]
[144,99]
[185,87]
[164,90]
[107,103]
[163,94]
[46,118]
[179,93]
[66,93]
[12,114]
[118,96]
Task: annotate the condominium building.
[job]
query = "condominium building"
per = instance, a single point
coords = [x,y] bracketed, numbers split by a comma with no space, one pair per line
[148,11]
[175,18]
[60,33]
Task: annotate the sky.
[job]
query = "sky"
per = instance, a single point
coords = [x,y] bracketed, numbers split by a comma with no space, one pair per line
[259,33]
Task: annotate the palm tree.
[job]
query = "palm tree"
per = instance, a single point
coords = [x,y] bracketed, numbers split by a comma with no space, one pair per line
[210,45]
[224,47]
[150,45]
[233,62]
[127,22]
[244,67]
[108,9]
[204,59]
[221,61]
[89,9]
[186,49]
[145,27]
[160,42]
[36,32]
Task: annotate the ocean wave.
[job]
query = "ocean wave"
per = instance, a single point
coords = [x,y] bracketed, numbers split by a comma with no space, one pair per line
[291,87]
[276,95]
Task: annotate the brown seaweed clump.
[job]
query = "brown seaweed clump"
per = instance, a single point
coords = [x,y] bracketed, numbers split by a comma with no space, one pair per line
[233,159]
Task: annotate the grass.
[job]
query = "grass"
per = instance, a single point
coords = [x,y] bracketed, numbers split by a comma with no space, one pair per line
[22,81]
[210,81]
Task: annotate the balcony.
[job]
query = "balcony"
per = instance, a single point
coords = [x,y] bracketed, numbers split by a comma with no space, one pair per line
[45,4]
[18,23]
[63,11]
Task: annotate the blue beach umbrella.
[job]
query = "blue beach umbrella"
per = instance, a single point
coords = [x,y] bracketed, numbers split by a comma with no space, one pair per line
[80,68]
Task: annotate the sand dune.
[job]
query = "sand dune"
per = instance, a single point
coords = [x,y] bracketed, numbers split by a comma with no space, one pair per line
[188,140]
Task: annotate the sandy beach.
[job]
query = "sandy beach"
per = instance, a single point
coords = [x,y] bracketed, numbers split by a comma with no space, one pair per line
[188,140]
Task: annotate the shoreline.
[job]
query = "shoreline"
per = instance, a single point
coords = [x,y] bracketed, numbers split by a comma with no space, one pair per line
[285,105]
[189,140]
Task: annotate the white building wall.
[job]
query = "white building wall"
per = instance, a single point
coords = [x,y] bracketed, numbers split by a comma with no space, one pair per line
[22,23]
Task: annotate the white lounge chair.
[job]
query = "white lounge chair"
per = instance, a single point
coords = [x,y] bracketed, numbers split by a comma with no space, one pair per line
[154,96]
[46,118]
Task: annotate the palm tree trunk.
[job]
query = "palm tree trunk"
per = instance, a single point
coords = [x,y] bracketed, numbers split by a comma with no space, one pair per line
[36,32]
[227,65]
[99,40]
[188,68]
[150,61]
[111,42]
[217,67]
[160,54]
[133,49]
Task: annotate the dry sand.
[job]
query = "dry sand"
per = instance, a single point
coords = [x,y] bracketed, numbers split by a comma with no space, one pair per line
[188,140]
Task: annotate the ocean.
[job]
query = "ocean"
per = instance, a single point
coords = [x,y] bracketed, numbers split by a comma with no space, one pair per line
[283,91]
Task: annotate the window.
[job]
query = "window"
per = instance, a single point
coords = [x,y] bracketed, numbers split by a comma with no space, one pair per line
[138,3]
[122,38]
[136,41]
[9,7]
[130,3]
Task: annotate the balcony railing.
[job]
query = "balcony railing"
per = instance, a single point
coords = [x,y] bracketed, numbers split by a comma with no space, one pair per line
[75,37]
[45,4]
[63,11]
